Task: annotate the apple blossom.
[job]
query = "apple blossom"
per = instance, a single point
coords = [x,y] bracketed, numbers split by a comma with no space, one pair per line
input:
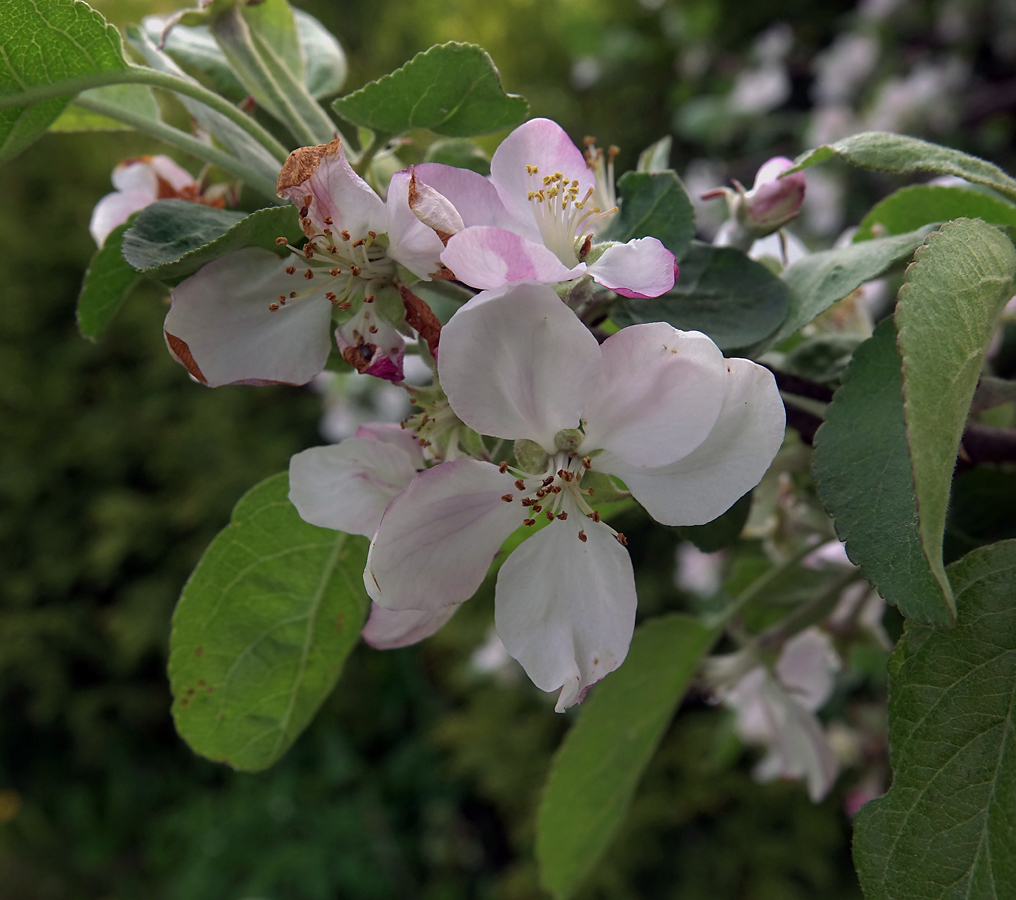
[533,219]
[686,430]
[346,486]
[141,181]
[775,708]
[252,317]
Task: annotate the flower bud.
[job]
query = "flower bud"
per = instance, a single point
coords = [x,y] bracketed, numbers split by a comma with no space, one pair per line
[568,439]
[771,203]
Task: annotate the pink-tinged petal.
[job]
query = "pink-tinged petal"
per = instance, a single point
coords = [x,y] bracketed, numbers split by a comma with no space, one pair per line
[437,538]
[774,201]
[517,363]
[661,394]
[411,242]
[725,466]
[347,486]
[321,181]
[640,269]
[396,435]
[220,322]
[176,176]
[770,170]
[474,197]
[489,258]
[115,209]
[432,207]
[388,629]
[565,608]
[371,345]
[806,668]
[546,145]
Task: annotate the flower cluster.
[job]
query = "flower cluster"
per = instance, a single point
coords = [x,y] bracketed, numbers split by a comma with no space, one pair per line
[530,423]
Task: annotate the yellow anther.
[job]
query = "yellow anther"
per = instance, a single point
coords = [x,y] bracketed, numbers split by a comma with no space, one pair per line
[532,170]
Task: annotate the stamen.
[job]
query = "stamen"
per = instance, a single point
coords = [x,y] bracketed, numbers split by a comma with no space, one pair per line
[290,270]
[529,521]
[281,241]
[309,274]
[582,537]
[562,515]
[508,498]
[501,468]
[520,484]
[587,462]
[621,539]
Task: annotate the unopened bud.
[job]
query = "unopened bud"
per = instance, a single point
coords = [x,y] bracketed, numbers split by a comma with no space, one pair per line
[568,439]
[771,203]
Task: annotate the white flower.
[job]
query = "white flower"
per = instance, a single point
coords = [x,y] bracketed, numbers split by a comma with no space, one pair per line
[685,429]
[252,317]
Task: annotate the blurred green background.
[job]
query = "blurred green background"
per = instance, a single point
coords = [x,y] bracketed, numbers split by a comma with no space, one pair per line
[421,776]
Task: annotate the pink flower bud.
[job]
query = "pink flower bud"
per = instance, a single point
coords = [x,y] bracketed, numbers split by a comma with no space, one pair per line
[772,201]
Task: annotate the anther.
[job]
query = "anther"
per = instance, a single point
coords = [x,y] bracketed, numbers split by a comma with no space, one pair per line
[508,498]
[327,220]
[292,294]
[309,274]
[529,521]
[537,508]
[344,235]
[331,298]
[562,515]
[331,248]
[501,468]
[547,482]
[622,540]
[281,241]
[307,223]
[360,242]
[372,234]
[274,307]
[550,515]
[344,305]
[373,329]
[582,537]
[587,462]
[520,484]
[290,270]
[541,493]
[355,270]
[594,515]
[369,298]
[335,271]
[281,298]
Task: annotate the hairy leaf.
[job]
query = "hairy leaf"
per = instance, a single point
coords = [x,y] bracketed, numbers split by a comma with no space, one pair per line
[906,155]
[954,292]
[262,630]
[920,204]
[601,760]
[171,239]
[862,467]
[134,98]
[107,283]
[452,89]
[735,300]
[654,205]
[947,828]
[820,279]
[46,42]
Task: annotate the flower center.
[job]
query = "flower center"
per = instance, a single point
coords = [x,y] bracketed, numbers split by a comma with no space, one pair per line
[560,215]
[602,166]
[438,430]
[557,493]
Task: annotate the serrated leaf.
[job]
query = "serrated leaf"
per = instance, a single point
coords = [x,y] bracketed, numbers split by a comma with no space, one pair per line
[599,764]
[862,467]
[920,204]
[946,314]
[171,239]
[947,828]
[134,98]
[45,42]
[905,155]
[452,89]
[262,630]
[194,48]
[720,292]
[820,279]
[654,205]
[106,285]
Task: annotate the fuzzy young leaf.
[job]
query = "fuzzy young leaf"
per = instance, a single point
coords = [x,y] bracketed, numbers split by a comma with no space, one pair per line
[954,291]
[820,279]
[134,98]
[452,89]
[654,205]
[947,828]
[904,155]
[45,42]
[326,67]
[262,630]
[171,239]
[919,204]
[720,292]
[107,283]
[598,766]
[862,467]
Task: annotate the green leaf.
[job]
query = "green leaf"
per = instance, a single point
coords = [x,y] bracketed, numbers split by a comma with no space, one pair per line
[905,155]
[862,467]
[453,89]
[722,532]
[654,205]
[171,239]
[947,828]
[460,152]
[273,24]
[262,630]
[599,764]
[656,157]
[919,204]
[107,283]
[44,42]
[194,48]
[326,68]
[820,279]
[954,292]
[735,300]
[135,98]
[980,510]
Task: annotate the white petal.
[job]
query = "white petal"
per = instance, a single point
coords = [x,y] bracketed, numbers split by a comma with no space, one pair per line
[546,145]
[565,608]
[433,208]
[437,538]
[518,363]
[641,268]
[115,209]
[475,199]
[490,258]
[387,629]
[137,176]
[662,390]
[806,667]
[347,486]
[177,177]
[320,180]
[220,325]
[725,466]
[391,433]
[412,243]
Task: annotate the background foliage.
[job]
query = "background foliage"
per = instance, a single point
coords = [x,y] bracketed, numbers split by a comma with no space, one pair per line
[421,776]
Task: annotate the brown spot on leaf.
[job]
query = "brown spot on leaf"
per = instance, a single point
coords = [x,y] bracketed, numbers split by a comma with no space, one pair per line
[340,621]
[198,651]
[201,683]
